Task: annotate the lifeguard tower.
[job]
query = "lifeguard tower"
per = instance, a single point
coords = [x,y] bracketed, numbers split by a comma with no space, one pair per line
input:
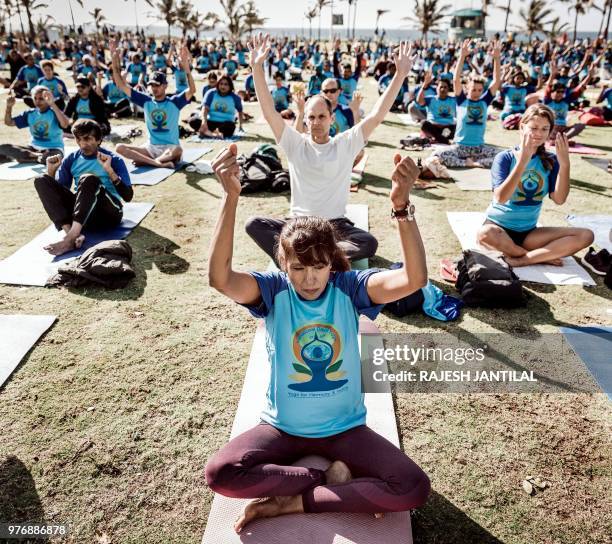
[466,23]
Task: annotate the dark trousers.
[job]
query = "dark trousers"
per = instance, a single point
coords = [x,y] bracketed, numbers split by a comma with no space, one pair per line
[91,205]
[356,243]
[122,108]
[258,463]
[26,153]
[227,128]
[434,130]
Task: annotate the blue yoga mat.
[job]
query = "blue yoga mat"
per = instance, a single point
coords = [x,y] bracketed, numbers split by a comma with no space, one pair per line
[32,265]
[594,346]
[149,175]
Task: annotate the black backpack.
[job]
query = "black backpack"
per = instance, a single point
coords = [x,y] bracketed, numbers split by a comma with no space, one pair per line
[486,279]
[258,172]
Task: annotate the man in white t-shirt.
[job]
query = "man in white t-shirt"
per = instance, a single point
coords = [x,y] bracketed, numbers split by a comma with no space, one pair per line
[320,166]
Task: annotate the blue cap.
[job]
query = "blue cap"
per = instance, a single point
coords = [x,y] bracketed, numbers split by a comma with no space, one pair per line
[158,77]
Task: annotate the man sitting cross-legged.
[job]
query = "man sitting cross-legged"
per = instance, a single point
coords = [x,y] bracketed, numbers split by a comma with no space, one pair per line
[320,166]
[45,122]
[101,183]
[161,114]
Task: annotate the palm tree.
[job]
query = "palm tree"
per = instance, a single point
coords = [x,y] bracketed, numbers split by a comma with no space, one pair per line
[485,12]
[508,10]
[354,18]
[150,2]
[167,13]
[98,17]
[30,6]
[252,19]
[580,7]
[202,22]
[320,5]
[310,15]
[608,7]
[184,16]
[80,2]
[428,16]
[8,7]
[556,28]
[379,14]
[42,25]
[533,18]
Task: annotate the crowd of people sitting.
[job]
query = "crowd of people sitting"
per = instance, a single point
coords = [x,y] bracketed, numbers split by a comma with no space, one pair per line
[308,95]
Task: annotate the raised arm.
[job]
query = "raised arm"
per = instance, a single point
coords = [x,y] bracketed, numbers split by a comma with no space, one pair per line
[117,72]
[239,286]
[403,63]
[464,52]
[562,187]
[259,47]
[392,285]
[61,117]
[8,112]
[420,98]
[185,63]
[496,83]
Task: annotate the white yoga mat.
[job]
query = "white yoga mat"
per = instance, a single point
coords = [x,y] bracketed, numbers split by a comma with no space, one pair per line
[18,333]
[21,171]
[121,131]
[472,179]
[407,120]
[149,175]
[601,225]
[465,225]
[32,265]
[196,139]
[306,528]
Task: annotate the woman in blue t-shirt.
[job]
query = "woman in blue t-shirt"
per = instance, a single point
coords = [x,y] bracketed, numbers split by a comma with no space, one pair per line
[315,403]
[219,110]
[521,178]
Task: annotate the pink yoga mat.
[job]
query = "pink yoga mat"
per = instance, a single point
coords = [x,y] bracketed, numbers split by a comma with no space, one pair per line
[580,149]
[326,528]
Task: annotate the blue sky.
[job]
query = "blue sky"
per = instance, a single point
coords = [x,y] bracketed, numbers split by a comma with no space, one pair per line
[290,13]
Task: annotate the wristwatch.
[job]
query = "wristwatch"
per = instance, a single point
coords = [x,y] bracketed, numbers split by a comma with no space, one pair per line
[405,214]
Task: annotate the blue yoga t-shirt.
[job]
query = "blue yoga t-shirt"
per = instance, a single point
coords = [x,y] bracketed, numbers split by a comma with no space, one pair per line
[230,67]
[55,85]
[112,93]
[162,117]
[313,350]
[514,97]
[607,96]
[160,62]
[203,62]
[560,108]
[180,80]
[83,109]
[76,164]
[472,119]
[343,120]
[135,69]
[522,210]
[44,128]
[348,86]
[30,74]
[222,109]
[280,95]
[249,84]
[441,112]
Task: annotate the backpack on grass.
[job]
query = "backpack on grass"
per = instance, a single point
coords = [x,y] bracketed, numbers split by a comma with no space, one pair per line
[486,279]
[262,171]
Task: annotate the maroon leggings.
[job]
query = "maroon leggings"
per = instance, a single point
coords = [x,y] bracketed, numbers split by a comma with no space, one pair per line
[257,463]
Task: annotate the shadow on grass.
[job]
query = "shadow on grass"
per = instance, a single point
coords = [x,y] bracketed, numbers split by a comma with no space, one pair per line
[194,180]
[149,249]
[599,190]
[372,180]
[19,500]
[440,521]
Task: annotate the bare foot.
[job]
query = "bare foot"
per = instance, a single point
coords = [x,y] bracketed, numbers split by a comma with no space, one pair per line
[471,163]
[554,262]
[59,248]
[167,164]
[78,242]
[338,473]
[269,507]
[516,261]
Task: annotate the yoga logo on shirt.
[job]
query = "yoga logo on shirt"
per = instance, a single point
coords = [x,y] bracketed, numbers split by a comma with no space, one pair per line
[317,347]
[40,130]
[220,106]
[475,114]
[159,118]
[529,191]
[444,111]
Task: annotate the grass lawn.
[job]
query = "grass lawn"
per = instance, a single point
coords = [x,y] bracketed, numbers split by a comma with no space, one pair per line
[109,421]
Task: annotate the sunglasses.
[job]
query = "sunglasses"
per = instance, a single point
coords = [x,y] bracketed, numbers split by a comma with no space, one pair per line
[327,91]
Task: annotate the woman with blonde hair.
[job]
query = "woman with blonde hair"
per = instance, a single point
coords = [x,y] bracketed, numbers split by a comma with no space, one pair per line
[521,177]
